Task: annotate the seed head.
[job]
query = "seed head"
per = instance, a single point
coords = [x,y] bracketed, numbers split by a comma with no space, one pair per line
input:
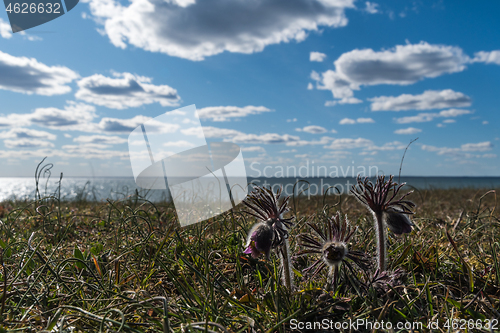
[330,242]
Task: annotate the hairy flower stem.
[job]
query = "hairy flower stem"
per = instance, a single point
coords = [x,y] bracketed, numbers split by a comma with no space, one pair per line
[381,241]
[286,265]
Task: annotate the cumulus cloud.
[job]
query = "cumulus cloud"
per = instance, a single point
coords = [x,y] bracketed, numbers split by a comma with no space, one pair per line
[409,130]
[197,29]
[254,149]
[223,113]
[349,121]
[394,145]
[100,139]
[345,100]
[323,141]
[74,116]
[464,150]
[371,7]
[312,129]
[365,120]
[211,132]
[125,90]
[267,138]
[317,56]
[425,117]
[26,133]
[401,65]
[27,143]
[25,75]
[5,30]
[115,125]
[348,143]
[492,57]
[430,99]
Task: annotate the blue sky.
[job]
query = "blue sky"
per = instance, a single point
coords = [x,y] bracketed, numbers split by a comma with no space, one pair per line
[326,82]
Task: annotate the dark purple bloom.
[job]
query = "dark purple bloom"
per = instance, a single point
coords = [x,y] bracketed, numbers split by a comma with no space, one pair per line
[398,222]
[260,240]
[387,211]
[273,228]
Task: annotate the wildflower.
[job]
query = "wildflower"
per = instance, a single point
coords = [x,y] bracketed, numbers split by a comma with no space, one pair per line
[387,211]
[272,230]
[264,205]
[331,244]
[260,240]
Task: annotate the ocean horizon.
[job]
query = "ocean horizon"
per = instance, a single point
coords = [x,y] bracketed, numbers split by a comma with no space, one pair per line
[115,188]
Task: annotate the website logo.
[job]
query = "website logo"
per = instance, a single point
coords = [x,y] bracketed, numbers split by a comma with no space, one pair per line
[171,152]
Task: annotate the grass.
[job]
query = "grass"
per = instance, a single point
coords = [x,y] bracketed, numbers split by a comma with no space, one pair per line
[83,266]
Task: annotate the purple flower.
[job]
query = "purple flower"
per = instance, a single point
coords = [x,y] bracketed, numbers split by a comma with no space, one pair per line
[273,228]
[376,198]
[387,211]
[260,240]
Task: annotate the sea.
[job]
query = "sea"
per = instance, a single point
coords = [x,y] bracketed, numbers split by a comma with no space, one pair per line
[117,188]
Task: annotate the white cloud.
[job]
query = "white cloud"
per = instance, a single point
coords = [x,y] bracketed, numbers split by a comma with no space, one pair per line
[312,129]
[409,130]
[116,125]
[481,146]
[425,117]
[25,75]
[345,100]
[211,132]
[310,86]
[317,56]
[492,57]
[348,143]
[323,141]
[180,143]
[394,145]
[401,65]
[365,120]
[485,122]
[195,30]
[27,143]
[125,90]
[349,121]
[100,139]
[74,116]
[26,133]
[222,113]
[371,7]
[430,99]
[291,120]
[89,151]
[465,150]
[5,30]
[267,138]
[254,149]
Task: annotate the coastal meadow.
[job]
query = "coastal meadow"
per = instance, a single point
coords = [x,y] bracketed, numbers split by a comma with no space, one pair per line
[272,264]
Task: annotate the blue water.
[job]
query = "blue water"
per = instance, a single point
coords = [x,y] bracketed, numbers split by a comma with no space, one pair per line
[121,187]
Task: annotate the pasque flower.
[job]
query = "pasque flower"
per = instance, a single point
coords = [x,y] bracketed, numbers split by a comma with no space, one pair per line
[272,230]
[331,243]
[387,211]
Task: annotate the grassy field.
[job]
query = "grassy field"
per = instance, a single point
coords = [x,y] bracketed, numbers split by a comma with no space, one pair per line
[127,266]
